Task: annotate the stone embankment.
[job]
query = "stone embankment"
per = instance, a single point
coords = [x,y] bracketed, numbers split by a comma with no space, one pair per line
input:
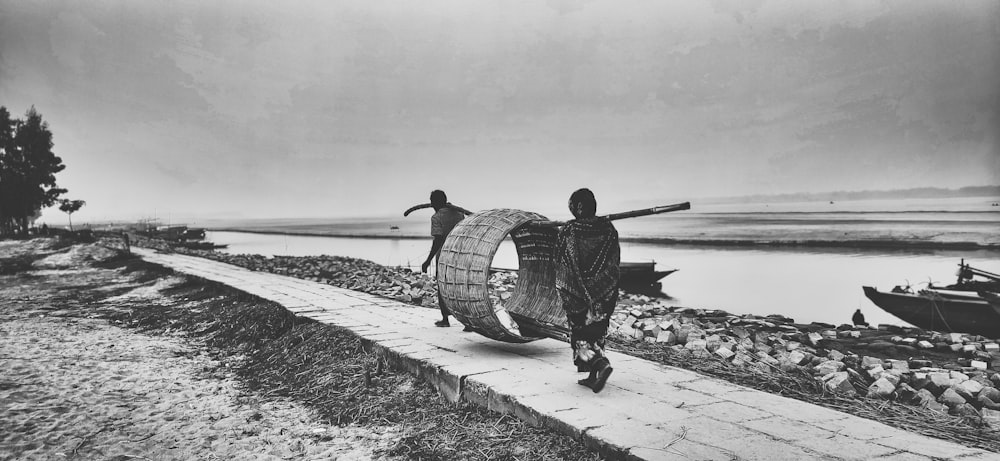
[952,373]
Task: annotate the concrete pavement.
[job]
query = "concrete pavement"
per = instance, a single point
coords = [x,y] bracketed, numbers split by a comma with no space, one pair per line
[648,411]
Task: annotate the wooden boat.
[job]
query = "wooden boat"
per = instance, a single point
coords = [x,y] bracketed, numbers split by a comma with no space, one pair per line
[935,311]
[967,280]
[641,274]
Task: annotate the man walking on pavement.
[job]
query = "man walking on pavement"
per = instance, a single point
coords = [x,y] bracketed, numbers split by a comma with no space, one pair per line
[442,222]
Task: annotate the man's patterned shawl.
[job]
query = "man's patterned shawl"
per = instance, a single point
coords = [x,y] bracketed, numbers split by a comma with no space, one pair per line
[587,257]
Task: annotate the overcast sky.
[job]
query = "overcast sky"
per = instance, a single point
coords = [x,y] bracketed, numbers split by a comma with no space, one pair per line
[256,109]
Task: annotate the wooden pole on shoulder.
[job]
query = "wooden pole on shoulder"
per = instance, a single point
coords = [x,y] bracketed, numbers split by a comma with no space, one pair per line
[626,214]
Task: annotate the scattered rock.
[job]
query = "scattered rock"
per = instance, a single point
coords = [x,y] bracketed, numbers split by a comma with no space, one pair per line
[839,383]
[965,410]
[881,389]
[992,417]
[951,398]
[906,394]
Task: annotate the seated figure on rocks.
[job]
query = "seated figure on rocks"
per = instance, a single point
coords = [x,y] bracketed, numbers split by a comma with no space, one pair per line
[859,319]
[587,255]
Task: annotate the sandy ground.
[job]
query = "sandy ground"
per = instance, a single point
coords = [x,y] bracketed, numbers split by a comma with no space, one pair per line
[76,387]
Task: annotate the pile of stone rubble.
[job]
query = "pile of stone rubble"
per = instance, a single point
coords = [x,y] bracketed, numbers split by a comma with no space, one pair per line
[966,386]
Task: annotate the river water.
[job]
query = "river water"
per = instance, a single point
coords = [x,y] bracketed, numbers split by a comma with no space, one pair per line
[813,284]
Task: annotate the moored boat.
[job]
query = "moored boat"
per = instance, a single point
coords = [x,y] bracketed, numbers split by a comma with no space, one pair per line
[931,310]
[967,280]
[641,274]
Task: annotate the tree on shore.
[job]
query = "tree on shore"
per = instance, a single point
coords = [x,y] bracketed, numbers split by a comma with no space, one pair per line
[69,207]
[28,170]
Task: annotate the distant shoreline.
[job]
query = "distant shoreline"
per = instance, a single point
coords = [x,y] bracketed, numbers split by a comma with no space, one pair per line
[888,244]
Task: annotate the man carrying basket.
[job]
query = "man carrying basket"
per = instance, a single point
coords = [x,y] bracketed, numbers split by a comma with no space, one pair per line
[587,255]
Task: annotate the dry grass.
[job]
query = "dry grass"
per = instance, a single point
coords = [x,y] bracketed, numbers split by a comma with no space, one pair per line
[278,354]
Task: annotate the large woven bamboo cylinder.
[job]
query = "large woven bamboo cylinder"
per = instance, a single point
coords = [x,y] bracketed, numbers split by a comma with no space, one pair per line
[463,272]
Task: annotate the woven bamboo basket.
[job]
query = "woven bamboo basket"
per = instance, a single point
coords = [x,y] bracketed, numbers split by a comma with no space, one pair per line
[533,311]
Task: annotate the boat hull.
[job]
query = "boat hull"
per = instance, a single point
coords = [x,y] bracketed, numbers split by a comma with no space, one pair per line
[955,315]
[640,274]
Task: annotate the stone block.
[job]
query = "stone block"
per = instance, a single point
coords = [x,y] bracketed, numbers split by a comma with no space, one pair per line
[797,357]
[667,337]
[923,397]
[888,375]
[983,401]
[830,366]
[918,363]
[956,347]
[766,358]
[910,341]
[991,393]
[712,342]
[955,338]
[881,389]
[965,409]
[696,344]
[919,380]
[725,353]
[992,417]
[874,371]
[671,325]
[792,345]
[900,365]
[969,349]
[951,398]
[814,338]
[788,366]
[906,394]
[991,347]
[971,387]
[954,374]
[925,345]
[829,334]
[839,383]
[835,355]
[741,358]
[936,406]
[869,362]
[938,382]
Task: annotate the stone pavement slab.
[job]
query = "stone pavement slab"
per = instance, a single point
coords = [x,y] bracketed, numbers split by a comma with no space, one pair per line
[648,411]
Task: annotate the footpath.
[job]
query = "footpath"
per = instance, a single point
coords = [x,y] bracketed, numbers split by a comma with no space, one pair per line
[648,411]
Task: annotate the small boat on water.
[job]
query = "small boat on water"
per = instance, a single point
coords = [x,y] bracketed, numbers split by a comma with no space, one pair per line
[962,307]
[641,274]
